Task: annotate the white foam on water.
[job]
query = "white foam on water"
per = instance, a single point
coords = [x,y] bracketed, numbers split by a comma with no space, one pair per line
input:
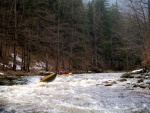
[67,108]
[73,94]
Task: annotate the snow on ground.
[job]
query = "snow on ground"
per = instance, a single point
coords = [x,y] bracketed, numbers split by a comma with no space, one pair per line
[1,64]
[39,65]
[136,71]
[18,67]
[1,73]
[10,63]
[17,57]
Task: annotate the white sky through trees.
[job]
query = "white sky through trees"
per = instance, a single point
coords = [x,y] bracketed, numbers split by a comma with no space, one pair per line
[110,1]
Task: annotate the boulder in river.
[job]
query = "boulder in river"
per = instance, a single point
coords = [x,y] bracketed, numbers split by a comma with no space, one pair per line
[141,85]
[135,74]
[138,71]
[147,77]
[138,76]
[122,79]
[138,110]
[140,80]
[147,81]
[109,83]
[127,75]
[147,74]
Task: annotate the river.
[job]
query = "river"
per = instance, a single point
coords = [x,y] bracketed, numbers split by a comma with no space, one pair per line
[78,93]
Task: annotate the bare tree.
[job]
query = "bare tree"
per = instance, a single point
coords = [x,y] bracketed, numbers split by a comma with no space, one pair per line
[15,35]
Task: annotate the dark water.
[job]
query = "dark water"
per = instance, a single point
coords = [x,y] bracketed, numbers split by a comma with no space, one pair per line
[13,80]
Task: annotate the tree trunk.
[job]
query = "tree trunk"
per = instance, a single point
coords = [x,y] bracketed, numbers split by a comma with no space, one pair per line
[95,40]
[22,62]
[28,53]
[1,48]
[15,37]
[58,38]
[24,57]
[47,67]
[4,57]
[58,44]
[71,38]
[149,12]
[2,28]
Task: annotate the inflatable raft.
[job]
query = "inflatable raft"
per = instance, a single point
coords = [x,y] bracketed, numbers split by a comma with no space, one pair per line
[49,78]
[64,73]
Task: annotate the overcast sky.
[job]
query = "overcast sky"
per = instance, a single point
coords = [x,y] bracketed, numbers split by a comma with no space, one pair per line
[110,1]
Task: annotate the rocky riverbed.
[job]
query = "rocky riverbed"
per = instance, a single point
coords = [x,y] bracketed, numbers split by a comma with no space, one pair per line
[77,93]
[131,80]
[141,78]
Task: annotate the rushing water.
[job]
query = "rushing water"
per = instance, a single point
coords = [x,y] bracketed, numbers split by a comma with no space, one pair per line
[80,93]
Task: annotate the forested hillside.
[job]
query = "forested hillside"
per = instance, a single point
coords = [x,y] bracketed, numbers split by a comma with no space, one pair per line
[68,34]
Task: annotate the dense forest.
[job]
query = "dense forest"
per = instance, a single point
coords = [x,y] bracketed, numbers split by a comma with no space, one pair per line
[74,35]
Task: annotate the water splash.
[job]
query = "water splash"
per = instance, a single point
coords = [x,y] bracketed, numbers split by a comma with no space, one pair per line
[74,94]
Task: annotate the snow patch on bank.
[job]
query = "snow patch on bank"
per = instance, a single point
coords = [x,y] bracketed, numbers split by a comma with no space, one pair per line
[1,73]
[37,65]
[17,57]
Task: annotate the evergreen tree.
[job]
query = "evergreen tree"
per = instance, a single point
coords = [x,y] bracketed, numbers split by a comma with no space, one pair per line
[99,30]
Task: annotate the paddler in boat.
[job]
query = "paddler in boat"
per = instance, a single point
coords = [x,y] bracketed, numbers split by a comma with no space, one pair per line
[66,72]
[62,72]
[57,72]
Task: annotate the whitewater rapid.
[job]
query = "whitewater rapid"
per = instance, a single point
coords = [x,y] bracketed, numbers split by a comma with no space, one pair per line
[79,93]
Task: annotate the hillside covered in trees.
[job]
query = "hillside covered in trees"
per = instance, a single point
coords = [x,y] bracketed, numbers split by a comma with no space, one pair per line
[68,34]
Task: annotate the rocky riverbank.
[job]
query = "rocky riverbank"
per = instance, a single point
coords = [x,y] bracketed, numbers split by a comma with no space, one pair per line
[134,79]
[130,80]
[142,76]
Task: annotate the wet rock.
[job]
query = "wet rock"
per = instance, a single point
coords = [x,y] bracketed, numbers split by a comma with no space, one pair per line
[138,110]
[135,74]
[130,75]
[114,82]
[143,85]
[127,75]
[97,70]
[147,77]
[138,71]
[135,85]
[147,81]
[122,79]
[147,74]
[98,84]
[138,76]
[140,80]
[108,84]
[129,87]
